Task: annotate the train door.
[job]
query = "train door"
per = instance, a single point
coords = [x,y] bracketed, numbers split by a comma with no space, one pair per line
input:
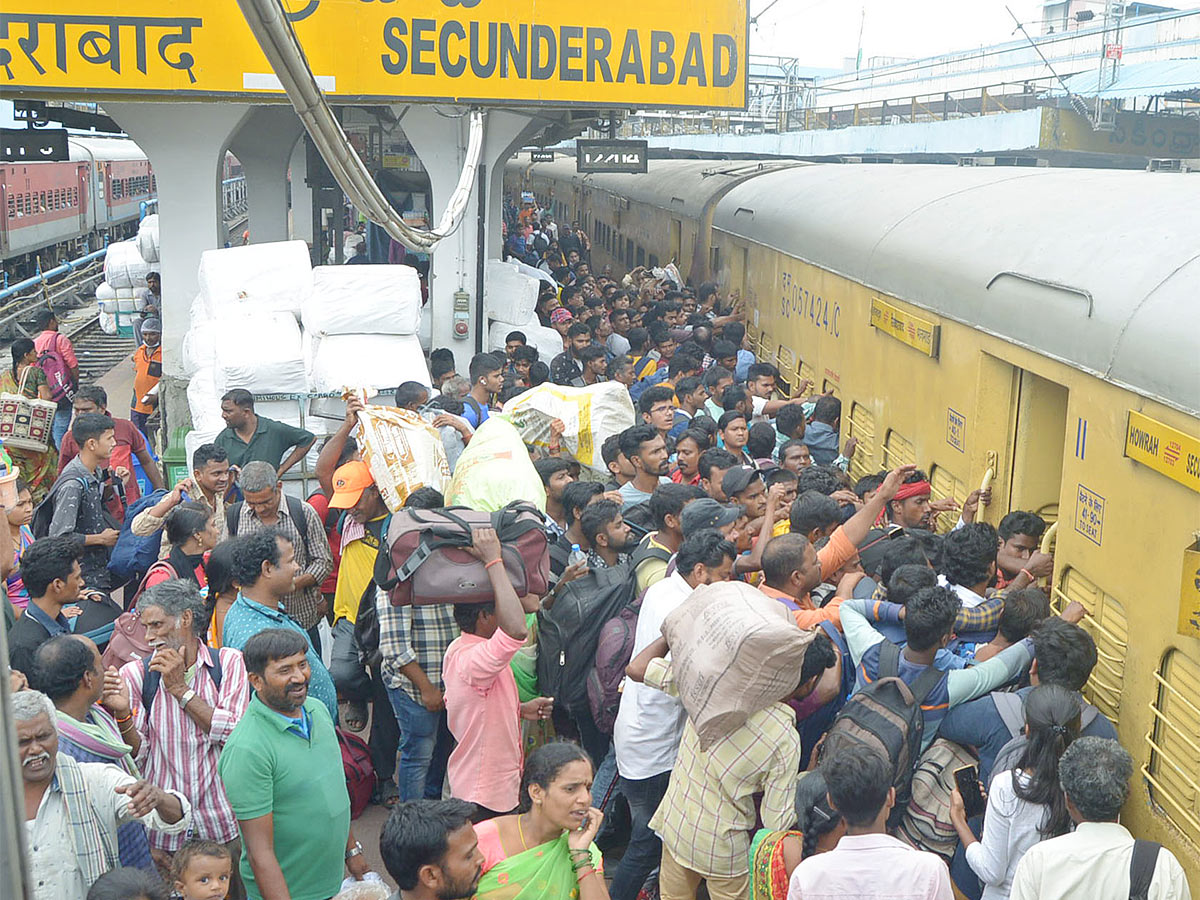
[81,186]
[1039,433]
[676,241]
[1021,424]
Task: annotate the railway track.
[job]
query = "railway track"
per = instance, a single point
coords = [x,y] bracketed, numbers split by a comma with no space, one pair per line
[98,353]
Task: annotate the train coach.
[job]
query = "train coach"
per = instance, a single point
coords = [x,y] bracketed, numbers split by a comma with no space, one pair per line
[55,209]
[1037,324]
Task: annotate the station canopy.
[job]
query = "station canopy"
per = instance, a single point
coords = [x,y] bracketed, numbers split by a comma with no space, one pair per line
[622,53]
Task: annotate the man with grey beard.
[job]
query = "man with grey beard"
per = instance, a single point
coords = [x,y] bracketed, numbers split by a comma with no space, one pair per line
[73,809]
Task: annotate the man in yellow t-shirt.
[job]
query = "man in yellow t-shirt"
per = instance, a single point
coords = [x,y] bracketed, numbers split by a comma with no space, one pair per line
[363,531]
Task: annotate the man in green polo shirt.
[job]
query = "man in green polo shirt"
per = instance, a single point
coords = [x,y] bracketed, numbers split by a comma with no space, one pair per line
[248,437]
[282,770]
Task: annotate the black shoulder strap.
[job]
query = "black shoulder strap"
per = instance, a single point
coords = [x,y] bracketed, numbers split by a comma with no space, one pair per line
[151,680]
[474,404]
[296,510]
[1141,868]
[232,512]
[889,659]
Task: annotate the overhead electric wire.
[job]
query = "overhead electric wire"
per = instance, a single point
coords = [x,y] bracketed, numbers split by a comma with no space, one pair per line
[275,35]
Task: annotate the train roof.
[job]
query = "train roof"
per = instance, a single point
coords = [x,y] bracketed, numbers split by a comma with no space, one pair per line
[84,149]
[684,186]
[1097,268]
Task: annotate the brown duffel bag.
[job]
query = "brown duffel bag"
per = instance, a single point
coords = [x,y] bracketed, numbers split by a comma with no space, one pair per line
[426,561]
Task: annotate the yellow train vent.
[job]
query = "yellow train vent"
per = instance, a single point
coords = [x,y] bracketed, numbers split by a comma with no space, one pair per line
[1108,625]
[862,426]
[898,450]
[1173,770]
[945,486]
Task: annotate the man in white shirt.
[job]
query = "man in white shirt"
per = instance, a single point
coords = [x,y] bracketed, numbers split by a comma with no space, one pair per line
[867,863]
[649,722]
[73,809]
[1096,860]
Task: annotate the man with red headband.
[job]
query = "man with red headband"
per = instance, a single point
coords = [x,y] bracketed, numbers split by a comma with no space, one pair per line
[908,509]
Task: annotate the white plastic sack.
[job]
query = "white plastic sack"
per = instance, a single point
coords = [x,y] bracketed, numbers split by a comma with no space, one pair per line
[259,278]
[199,350]
[546,341]
[591,415]
[104,291]
[403,452]
[198,313]
[124,268]
[261,354]
[370,361]
[286,411]
[364,300]
[147,238]
[508,295]
[108,322]
[126,303]
[204,401]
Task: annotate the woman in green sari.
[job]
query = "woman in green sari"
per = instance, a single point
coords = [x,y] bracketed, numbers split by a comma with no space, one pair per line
[545,852]
[774,855]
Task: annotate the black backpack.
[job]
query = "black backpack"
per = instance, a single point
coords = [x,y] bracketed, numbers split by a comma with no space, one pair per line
[886,716]
[569,631]
[295,509]
[151,680]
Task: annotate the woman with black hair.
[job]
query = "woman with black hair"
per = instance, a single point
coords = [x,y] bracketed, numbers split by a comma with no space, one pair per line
[38,467]
[221,589]
[774,855]
[192,530]
[546,851]
[1026,804]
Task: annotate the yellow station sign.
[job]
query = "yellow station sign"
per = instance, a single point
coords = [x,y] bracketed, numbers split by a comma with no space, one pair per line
[623,53]
[1163,449]
[920,334]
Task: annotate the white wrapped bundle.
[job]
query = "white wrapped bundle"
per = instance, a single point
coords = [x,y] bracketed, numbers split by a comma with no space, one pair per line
[126,303]
[370,361]
[286,411]
[199,349]
[257,277]
[591,415]
[508,295]
[198,314]
[204,401]
[104,291]
[261,354]
[546,341]
[364,300]
[108,322]
[124,268]
[147,238]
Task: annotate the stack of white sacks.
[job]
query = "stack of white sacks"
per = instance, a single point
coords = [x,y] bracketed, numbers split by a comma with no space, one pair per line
[361,326]
[126,265]
[509,298]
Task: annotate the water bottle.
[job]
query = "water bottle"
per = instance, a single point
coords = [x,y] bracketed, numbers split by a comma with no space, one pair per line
[576,556]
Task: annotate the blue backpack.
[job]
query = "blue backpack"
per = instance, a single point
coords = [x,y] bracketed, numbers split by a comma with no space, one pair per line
[133,555]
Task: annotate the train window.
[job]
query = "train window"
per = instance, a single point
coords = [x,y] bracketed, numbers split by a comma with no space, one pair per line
[12,207]
[1173,770]
[714,261]
[809,374]
[653,260]
[1109,626]
[897,451]
[862,426]
[946,486]
[42,207]
[641,255]
[629,252]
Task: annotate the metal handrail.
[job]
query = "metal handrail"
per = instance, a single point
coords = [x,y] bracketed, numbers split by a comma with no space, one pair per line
[43,277]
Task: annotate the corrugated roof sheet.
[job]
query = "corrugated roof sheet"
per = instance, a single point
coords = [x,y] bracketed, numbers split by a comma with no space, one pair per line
[1146,79]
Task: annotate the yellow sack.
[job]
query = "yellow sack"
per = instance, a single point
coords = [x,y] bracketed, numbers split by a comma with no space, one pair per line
[403,452]
[591,415]
[495,470]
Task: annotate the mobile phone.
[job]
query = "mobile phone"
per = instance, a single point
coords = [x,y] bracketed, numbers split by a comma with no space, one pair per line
[967,781]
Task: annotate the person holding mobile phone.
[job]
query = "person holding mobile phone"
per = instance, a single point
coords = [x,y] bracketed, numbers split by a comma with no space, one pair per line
[1026,804]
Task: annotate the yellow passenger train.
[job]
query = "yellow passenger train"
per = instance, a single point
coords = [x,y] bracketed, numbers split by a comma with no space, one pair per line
[1040,324]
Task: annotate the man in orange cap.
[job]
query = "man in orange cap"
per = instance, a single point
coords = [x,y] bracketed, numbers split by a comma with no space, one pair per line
[363,530]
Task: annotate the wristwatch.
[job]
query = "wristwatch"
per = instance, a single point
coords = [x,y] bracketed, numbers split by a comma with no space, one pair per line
[187,698]
[356,850]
